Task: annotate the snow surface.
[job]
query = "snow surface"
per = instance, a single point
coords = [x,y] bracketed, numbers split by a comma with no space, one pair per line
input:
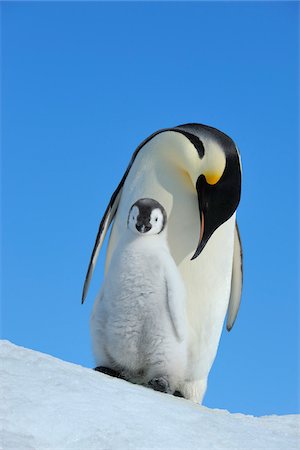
[50,404]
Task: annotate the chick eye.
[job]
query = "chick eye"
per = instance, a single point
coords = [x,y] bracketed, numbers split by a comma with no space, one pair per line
[156,219]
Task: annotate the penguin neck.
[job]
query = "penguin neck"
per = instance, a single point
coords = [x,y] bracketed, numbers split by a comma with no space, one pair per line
[147,240]
[176,151]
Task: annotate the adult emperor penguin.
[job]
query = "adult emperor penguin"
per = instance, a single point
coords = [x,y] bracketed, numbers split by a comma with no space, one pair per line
[195,172]
[138,324]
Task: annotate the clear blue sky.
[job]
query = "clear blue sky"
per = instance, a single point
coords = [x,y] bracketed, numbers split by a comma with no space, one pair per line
[82,85]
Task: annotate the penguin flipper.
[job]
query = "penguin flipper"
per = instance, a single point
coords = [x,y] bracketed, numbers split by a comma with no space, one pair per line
[175,302]
[103,227]
[236,280]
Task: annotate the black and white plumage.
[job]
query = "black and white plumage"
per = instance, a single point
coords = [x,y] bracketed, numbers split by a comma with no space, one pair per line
[195,172]
[138,324]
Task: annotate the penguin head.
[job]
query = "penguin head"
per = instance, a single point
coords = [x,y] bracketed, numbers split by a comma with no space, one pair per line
[147,217]
[207,163]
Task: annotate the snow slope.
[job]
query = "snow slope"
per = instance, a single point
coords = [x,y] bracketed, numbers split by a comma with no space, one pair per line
[50,404]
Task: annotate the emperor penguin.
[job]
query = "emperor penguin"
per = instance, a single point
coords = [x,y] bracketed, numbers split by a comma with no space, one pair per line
[138,324]
[195,172]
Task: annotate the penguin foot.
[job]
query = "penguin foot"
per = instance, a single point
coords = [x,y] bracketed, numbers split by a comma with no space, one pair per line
[178,394]
[160,384]
[108,371]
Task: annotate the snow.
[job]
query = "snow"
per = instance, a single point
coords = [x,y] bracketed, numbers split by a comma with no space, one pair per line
[50,404]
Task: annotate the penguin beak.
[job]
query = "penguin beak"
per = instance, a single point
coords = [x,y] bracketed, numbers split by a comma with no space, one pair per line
[218,200]
[202,242]
[203,204]
[142,228]
[205,234]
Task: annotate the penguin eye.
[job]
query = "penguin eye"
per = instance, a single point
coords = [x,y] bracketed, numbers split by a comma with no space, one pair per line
[156,219]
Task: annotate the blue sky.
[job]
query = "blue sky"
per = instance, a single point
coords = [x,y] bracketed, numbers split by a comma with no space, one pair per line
[82,85]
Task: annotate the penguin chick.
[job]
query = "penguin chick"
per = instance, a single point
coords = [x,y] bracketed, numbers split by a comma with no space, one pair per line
[138,324]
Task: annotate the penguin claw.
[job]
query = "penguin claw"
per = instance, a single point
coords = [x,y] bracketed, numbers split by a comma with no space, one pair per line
[160,384]
[108,371]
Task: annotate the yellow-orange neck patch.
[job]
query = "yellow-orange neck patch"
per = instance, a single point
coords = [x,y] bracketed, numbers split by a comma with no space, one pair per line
[212,177]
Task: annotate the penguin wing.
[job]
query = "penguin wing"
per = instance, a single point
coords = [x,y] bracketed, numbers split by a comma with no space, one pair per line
[103,227]
[175,301]
[236,280]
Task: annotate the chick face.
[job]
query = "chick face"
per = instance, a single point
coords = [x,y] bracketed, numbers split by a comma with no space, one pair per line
[147,217]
